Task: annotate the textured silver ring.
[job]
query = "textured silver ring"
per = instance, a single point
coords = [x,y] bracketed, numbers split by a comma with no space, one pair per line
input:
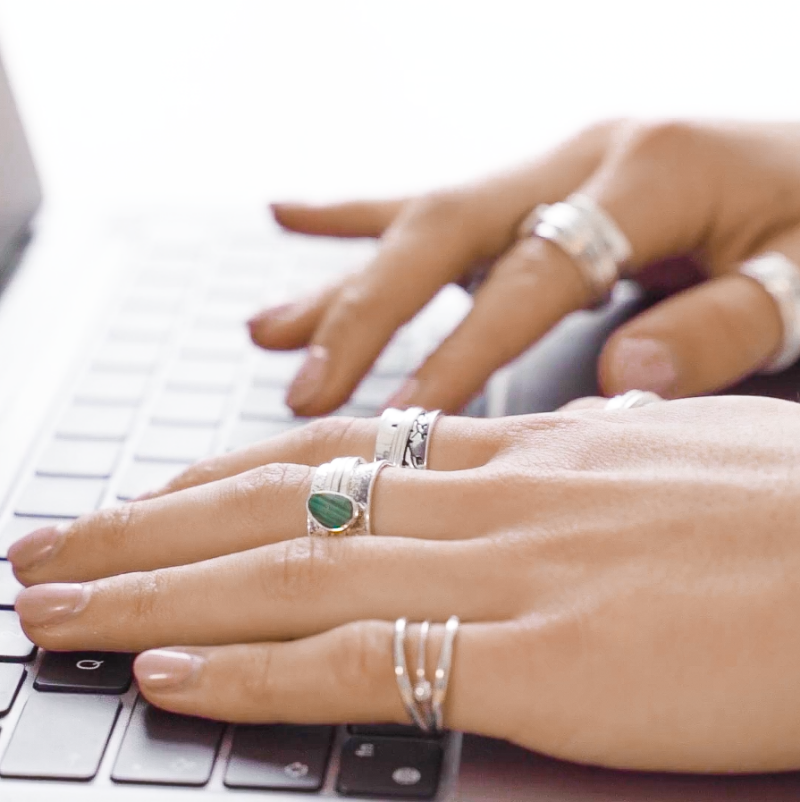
[632,399]
[780,277]
[587,234]
[404,435]
[340,499]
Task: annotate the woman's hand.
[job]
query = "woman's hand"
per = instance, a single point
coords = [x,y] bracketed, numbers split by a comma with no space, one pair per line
[627,582]
[715,194]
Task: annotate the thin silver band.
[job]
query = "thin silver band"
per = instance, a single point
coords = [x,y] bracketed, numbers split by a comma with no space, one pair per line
[441,679]
[401,674]
[423,690]
[632,399]
[780,277]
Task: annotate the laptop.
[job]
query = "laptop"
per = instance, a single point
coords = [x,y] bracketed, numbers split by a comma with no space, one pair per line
[124,358]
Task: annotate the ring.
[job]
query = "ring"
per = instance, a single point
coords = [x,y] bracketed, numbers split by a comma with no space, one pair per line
[403,436]
[780,277]
[340,499]
[632,399]
[424,701]
[587,234]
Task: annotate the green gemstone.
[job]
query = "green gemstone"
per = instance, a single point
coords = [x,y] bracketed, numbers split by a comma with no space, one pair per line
[332,511]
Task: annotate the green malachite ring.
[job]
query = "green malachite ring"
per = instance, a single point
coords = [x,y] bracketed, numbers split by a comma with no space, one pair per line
[340,497]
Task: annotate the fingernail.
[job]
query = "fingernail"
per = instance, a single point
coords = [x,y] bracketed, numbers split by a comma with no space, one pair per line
[309,379]
[403,397]
[43,605]
[275,314]
[164,669]
[644,364]
[36,548]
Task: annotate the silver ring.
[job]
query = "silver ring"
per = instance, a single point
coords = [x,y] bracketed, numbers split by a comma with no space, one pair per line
[423,690]
[587,234]
[403,436]
[441,679]
[340,499]
[780,277]
[632,399]
[401,675]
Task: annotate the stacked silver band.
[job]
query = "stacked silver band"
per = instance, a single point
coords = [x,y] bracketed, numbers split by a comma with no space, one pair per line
[632,399]
[345,482]
[587,235]
[780,277]
[403,436]
[424,700]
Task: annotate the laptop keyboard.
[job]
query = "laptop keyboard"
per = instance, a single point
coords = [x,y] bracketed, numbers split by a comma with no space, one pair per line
[173,378]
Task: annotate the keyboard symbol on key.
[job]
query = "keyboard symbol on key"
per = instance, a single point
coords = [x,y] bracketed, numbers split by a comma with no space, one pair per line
[89,665]
[406,776]
[296,770]
[365,750]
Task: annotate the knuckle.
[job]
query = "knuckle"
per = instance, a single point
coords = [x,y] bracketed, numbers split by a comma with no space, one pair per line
[331,435]
[116,527]
[439,210]
[661,138]
[303,566]
[143,594]
[250,495]
[359,659]
[257,682]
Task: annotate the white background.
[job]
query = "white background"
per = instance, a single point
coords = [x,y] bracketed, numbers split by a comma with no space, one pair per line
[240,100]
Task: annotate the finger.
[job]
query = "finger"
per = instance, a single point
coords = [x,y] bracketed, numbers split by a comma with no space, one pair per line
[262,506]
[589,402]
[340,676]
[353,219]
[455,444]
[433,241]
[278,592]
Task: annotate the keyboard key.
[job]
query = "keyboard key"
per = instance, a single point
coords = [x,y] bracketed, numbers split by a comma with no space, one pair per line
[9,587]
[389,731]
[119,355]
[14,646]
[407,768]
[85,672]
[175,443]
[277,368]
[60,497]
[266,403]
[96,422]
[198,374]
[60,737]
[94,459]
[18,526]
[375,391]
[280,756]
[142,476]
[113,388]
[11,679]
[185,407]
[247,432]
[162,747]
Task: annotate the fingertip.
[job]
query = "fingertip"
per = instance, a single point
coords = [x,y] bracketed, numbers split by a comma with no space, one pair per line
[638,363]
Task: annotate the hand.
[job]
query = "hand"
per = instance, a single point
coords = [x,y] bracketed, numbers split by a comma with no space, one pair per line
[716,193]
[627,582]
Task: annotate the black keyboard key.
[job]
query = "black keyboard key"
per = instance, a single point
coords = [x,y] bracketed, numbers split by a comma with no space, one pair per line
[166,748]
[60,737]
[407,768]
[11,677]
[390,731]
[60,497]
[9,587]
[279,756]
[14,646]
[18,526]
[85,672]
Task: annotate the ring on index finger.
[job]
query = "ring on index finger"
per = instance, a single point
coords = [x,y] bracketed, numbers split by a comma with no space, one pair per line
[403,436]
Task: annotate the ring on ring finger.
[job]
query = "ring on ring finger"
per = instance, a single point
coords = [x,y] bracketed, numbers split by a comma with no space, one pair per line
[404,435]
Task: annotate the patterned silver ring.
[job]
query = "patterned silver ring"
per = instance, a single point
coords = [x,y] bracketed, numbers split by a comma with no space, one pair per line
[780,277]
[404,435]
[340,499]
[587,234]
[632,399]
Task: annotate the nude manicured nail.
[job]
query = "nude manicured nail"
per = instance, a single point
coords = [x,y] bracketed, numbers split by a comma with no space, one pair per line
[310,378]
[164,669]
[276,314]
[36,548]
[644,364]
[44,605]
[402,398]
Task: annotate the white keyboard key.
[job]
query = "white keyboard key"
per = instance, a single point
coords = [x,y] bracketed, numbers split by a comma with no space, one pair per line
[375,391]
[113,388]
[127,356]
[197,374]
[60,497]
[277,368]
[186,407]
[96,422]
[266,403]
[142,476]
[175,443]
[89,458]
[248,432]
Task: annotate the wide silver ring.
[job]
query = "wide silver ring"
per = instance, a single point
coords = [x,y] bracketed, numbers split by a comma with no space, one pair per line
[780,277]
[424,700]
[587,234]
[404,435]
[340,499]
[632,399]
